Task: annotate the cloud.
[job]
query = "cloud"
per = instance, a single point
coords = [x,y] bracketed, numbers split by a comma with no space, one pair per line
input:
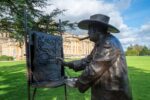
[122,4]
[77,10]
[143,34]
[136,36]
[145,29]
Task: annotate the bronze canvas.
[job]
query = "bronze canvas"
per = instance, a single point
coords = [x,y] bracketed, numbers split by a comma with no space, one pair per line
[45,70]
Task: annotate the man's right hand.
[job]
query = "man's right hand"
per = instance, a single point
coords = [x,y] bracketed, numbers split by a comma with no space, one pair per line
[61,60]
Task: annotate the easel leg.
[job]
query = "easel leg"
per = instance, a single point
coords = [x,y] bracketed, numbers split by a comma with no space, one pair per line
[65,87]
[34,92]
[28,87]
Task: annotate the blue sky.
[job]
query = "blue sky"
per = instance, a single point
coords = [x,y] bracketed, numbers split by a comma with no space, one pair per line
[131,17]
[137,13]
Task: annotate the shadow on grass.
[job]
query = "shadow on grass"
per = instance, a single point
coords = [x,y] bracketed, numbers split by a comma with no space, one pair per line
[12,82]
[13,86]
[140,83]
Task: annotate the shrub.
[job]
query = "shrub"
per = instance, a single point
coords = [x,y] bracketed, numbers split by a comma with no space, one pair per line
[6,58]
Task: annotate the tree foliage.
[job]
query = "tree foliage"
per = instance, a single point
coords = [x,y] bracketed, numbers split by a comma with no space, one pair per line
[138,50]
[12,18]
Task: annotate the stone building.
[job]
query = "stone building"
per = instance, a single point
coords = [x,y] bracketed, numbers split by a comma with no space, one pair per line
[10,47]
[73,47]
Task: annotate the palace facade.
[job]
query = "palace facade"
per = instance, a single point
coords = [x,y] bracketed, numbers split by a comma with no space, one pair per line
[73,47]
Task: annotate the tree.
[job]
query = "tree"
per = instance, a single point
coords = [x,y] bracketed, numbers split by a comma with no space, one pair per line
[12,17]
[137,50]
[145,51]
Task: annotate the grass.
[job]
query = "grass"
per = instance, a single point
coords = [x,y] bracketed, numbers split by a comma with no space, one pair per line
[139,73]
[13,82]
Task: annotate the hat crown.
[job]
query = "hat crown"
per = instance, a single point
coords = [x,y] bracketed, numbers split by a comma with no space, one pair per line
[100,17]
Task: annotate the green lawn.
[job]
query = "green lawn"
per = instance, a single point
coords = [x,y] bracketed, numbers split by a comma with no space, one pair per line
[139,73]
[13,82]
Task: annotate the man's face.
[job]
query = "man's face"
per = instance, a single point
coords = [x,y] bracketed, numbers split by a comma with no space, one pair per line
[94,31]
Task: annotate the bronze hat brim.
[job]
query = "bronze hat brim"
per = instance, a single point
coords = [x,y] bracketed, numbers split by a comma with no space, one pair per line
[85,23]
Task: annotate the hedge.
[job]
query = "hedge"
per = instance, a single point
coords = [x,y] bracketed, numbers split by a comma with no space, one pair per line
[6,58]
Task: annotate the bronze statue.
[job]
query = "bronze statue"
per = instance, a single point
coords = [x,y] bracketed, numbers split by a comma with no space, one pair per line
[105,69]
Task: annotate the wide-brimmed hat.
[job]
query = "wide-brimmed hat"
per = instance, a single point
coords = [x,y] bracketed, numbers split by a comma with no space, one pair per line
[98,19]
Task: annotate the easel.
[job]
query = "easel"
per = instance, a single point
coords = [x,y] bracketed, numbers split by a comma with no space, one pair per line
[31,96]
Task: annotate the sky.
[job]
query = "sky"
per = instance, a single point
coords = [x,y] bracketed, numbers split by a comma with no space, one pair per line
[131,17]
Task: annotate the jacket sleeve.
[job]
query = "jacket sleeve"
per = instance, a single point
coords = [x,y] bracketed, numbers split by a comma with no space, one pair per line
[101,62]
[80,64]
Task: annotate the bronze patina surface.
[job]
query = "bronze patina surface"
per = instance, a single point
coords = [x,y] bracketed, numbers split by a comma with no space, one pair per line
[105,69]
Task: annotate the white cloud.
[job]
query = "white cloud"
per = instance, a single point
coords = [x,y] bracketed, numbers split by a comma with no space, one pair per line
[136,36]
[145,29]
[82,9]
[122,4]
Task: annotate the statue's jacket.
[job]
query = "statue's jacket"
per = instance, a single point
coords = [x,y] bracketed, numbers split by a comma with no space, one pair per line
[105,69]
